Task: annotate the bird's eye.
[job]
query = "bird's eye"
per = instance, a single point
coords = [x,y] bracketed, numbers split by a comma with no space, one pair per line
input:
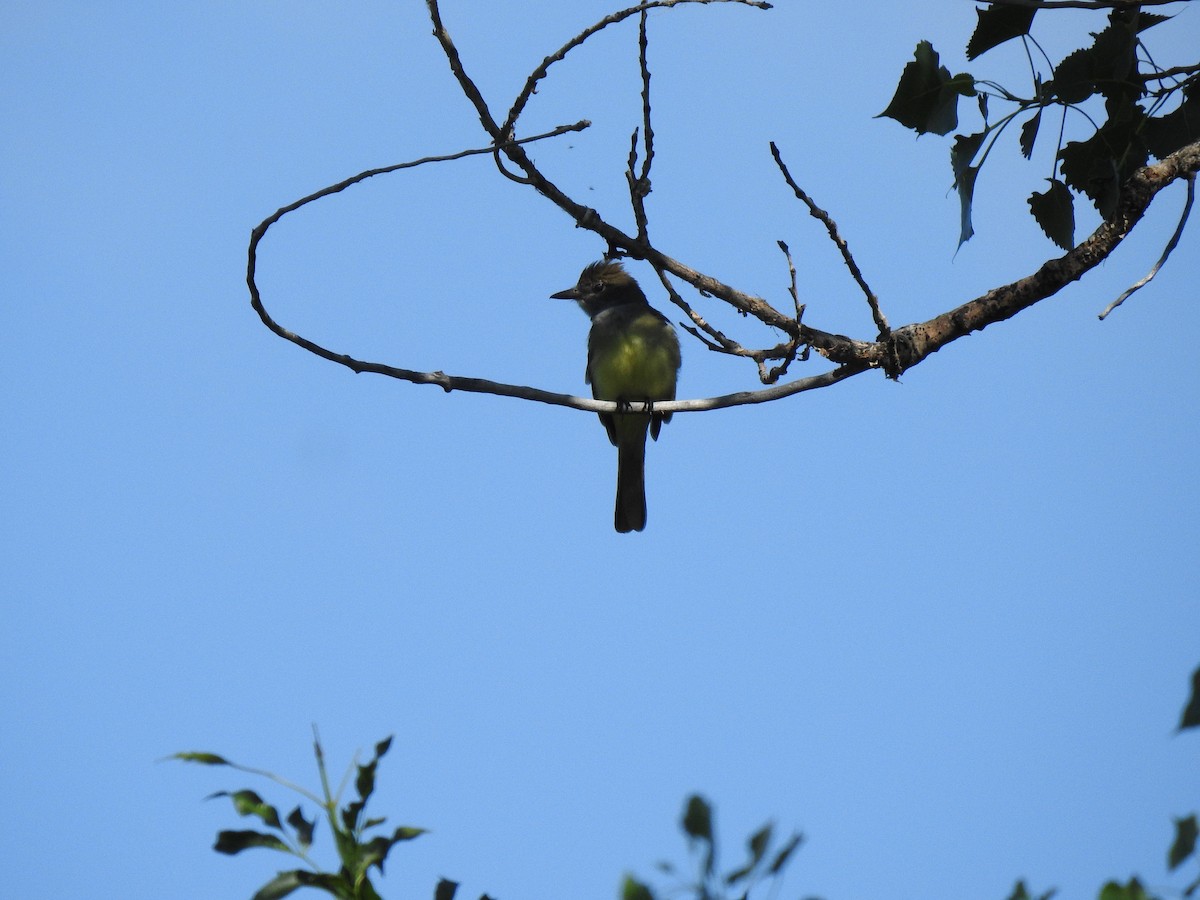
[599,286]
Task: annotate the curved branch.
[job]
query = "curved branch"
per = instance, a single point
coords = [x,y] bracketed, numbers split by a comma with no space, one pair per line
[894,352]
[482,385]
[915,342]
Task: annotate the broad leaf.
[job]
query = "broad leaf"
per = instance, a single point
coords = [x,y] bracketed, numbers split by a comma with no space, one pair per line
[966,190]
[1054,211]
[1149,20]
[998,24]
[205,759]
[1101,164]
[1185,841]
[697,819]
[635,890]
[1075,77]
[697,824]
[365,782]
[1029,133]
[1166,134]
[377,849]
[248,803]
[304,828]
[1131,891]
[350,813]
[232,842]
[964,150]
[279,886]
[1191,712]
[926,99]
[445,890]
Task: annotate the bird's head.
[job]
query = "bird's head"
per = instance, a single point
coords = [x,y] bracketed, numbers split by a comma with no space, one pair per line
[603,285]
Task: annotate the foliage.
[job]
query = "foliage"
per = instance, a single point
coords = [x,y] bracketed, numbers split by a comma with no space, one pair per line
[762,863]
[1182,848]
[359,851]
[1113,87]
[360,846]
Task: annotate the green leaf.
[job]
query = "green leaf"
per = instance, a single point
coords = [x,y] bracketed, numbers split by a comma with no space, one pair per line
[635,890]
[785,853]
[1191,713]
[926,99]
[1166,134]
[365,782]
[248,803]
[304,828]
[1054,211]
[964,150]
[279,886]
[697,824]
[445,890]
[996,25]
[1185,842]
[1101,164]
[337,885]
[377,849]
[204,759]
[233,842]
[1149,20]
[697,819]
[1029,133]
[1020,892]
[383,746]
[1115,59]
[1075,77]
[1131,891]
[757,845]
[350,813]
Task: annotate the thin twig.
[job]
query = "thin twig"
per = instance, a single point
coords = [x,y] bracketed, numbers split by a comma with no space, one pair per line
[539,73]
[1171,244]
[834,235]
[639,184]
[719,341]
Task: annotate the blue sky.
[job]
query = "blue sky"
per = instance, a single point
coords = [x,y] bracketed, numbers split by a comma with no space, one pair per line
[944,627]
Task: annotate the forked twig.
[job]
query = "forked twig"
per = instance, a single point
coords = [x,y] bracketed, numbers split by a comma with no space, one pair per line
[816,212]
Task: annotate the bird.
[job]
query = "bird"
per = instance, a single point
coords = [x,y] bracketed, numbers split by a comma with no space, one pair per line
[633,357]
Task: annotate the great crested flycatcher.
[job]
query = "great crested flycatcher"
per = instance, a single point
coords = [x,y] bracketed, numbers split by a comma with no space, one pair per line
[633,357]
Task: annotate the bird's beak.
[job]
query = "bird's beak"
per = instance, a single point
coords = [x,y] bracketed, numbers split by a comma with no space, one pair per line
[568,294]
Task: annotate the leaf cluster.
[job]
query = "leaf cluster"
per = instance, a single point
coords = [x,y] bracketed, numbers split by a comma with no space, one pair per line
[764,863]
[1183,847]
[1113,86]
[361,844]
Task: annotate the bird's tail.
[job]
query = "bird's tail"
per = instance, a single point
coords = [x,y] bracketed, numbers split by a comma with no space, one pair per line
[630,514]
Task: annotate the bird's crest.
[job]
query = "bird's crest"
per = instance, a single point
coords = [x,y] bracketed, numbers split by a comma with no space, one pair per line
[611,273]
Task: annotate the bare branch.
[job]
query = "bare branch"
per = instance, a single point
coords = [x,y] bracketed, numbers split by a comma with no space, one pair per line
[840,242]
[540,72]
[1171,244]
[639,184]
[719,342]
[836,347]
[894,351]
